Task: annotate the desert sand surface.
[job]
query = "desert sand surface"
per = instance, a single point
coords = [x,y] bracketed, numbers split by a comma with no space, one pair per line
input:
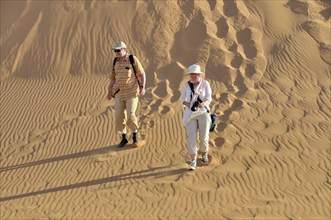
[268,63]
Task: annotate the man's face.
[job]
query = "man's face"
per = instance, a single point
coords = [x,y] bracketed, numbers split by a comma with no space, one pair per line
[120,52]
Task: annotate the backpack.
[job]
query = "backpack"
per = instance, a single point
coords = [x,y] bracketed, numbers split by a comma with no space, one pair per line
[213,117]
[131,59]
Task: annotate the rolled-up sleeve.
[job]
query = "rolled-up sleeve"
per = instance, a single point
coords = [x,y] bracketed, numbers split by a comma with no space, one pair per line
[185,94]
[140,70]
[113,75]
[208,92]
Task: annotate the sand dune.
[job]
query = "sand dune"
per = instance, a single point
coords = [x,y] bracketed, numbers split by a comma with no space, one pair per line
[268,63]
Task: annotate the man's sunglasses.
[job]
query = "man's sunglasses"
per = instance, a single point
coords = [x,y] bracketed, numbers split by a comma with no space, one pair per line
[117,50]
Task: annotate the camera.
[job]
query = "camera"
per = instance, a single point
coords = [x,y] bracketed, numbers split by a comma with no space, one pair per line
[195,106]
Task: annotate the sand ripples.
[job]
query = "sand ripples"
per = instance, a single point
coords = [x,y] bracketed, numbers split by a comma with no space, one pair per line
[270,77]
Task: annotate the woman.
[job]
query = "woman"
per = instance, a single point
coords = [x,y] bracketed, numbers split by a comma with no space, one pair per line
[196,95]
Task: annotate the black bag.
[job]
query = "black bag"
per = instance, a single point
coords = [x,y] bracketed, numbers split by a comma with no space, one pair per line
[213,122]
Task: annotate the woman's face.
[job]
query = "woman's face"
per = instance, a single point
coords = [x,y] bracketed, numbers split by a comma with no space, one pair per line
[195,77]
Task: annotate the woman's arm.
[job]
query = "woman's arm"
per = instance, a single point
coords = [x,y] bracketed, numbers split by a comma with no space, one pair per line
[183,97]
[208,95]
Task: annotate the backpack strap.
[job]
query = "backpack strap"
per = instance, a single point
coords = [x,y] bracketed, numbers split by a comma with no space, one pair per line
[131,58]
[114,62]
[192,89]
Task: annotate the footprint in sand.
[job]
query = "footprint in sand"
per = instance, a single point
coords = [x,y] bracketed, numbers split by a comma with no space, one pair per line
[219,141]
[151,124]
[298,7]
[246,39]
[212,4]
[243,51]
[222,28]
[165,110]
[230,8]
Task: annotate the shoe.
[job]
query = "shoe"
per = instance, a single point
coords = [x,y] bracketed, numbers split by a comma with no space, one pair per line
[135,138]
[205,158]
[124,141]
[193,164]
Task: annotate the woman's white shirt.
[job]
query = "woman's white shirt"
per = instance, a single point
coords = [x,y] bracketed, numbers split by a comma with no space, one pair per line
[203,90]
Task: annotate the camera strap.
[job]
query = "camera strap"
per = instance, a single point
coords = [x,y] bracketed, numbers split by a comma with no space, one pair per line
[193,92]
[192,89]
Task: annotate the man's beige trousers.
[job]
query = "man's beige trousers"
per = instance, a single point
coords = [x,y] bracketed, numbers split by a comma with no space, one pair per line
[125,114]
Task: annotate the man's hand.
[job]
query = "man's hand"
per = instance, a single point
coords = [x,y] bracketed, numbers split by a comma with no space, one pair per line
[109,97]
[142,91]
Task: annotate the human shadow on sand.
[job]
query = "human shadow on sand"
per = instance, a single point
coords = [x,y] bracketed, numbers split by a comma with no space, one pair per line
[156,172]
[113,148]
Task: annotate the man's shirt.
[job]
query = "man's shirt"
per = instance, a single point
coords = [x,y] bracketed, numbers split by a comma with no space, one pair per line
[125,80]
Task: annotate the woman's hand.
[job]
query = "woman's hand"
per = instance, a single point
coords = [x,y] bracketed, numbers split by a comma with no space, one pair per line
[187,104]
[203,104]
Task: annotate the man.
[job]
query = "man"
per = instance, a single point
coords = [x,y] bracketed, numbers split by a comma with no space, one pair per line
[128,87]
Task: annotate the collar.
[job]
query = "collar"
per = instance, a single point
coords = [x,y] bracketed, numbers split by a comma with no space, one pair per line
[125,58]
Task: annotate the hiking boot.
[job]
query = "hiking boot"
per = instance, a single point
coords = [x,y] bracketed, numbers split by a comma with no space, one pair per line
[124,141]
[135,138]
[205,158]
[193,164]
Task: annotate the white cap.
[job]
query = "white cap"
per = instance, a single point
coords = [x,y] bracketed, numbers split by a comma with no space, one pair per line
[195,68]
[119,45]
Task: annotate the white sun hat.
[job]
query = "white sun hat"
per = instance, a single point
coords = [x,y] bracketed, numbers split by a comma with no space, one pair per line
[119,45]
[195,68]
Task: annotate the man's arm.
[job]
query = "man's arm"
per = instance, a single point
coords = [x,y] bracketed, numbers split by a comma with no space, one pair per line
[141,73]
[143,84]
[110,87]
